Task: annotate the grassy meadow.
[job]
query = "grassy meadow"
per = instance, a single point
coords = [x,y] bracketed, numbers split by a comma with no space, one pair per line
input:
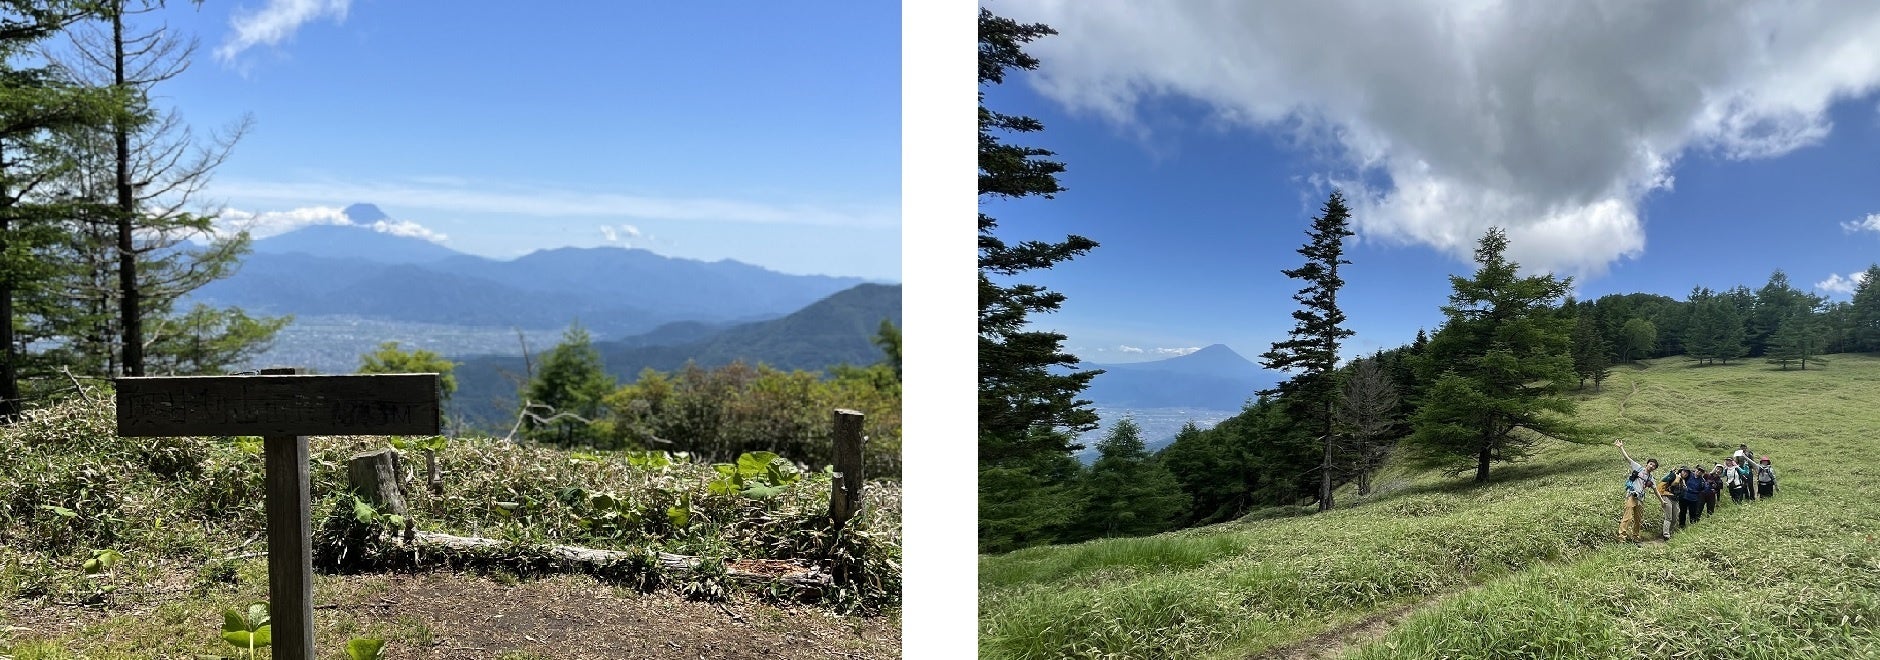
[1526,566]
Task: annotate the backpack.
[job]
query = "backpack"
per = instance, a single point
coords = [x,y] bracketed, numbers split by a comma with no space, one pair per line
[1694,488]
[1765,474]
[1666,488]
[1742,474]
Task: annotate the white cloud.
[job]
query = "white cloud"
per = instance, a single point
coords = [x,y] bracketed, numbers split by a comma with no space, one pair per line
[1844,285]
[619,234]
[1552,119]
[1129,349]
[269,223]
[560,203]
[1869,223]
[407,228]
[274,23]
[1175,351]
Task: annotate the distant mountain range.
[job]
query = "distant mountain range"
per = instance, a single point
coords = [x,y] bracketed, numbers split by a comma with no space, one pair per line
[835,330]
[1214,377]
[354,270]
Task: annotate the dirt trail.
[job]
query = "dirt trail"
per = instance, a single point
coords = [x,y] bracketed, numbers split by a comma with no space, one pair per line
[1335,642]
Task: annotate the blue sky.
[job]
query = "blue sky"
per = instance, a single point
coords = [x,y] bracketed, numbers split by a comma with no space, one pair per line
[1651,152]
[769,134]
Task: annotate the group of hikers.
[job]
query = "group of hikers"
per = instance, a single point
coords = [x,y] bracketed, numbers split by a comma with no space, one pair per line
[1687,493]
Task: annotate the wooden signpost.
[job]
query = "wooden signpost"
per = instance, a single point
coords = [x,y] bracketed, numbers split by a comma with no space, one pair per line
[284,407]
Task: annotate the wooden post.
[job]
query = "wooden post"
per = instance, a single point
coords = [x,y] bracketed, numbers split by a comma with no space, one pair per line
[282,407]
[290,542]
[845,495]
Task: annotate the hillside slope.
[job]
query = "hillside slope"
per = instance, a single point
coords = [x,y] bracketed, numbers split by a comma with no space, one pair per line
[835,330]
[1527,565]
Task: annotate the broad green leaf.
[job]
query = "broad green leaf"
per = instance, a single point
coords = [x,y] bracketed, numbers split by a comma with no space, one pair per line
[263,635]
[724,486]
[240,639]
[603,501]
[232,622]
[679,515]
[756,463]
[365,649]
[762,492]
[726,469]
[93,566]
[364,512]
[59,510]
[108,558]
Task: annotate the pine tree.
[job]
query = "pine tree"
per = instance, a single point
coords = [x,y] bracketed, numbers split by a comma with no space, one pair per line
[1591,357]
[1127,493]
[35,104]
[1774,302]
[1797,337]
[1498,365]
[1310,352]
[1025,410]
[1865,311]
[562,401]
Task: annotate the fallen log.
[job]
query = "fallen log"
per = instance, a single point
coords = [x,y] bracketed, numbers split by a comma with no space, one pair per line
[794,573]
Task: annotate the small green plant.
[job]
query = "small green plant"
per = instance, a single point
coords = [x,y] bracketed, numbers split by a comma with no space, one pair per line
[102,561]
[247,631]
[758,475]
[365,648]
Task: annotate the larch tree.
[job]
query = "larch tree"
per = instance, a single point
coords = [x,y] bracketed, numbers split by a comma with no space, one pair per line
[1498,366]
[1367,418]
[1865,311]
[1310,351]
[142,174]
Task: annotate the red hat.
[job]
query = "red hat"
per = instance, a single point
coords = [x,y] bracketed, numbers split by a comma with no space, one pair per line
[1765,459]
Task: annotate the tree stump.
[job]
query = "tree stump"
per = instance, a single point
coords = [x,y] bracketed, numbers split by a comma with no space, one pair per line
[845,495]
[374,478]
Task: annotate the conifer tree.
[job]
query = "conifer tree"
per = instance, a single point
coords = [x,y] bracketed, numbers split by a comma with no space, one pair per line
[562,401]
[1367,417]
[1798,338]
[1310,352]
[35,104]
[1864,311]
[1128,493]
[1025,410]
[1029,410]
[1591,357]
[1498,365]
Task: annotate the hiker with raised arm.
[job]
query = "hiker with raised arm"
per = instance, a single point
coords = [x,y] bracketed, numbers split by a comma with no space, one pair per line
[1637,484]
[1715,492]
[1765,478]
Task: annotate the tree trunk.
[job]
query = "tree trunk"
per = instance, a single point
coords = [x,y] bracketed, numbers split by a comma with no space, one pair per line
[374,478]
[9,374]
[1481,466]
[130,303]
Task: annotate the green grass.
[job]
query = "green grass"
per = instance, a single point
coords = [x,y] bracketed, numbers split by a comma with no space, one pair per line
[187,516]
[1792,577]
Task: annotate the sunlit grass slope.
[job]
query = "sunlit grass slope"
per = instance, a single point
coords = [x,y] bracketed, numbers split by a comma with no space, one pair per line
[1792,577]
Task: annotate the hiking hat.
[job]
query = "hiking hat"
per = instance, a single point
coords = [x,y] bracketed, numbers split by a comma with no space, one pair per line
[1765,459]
